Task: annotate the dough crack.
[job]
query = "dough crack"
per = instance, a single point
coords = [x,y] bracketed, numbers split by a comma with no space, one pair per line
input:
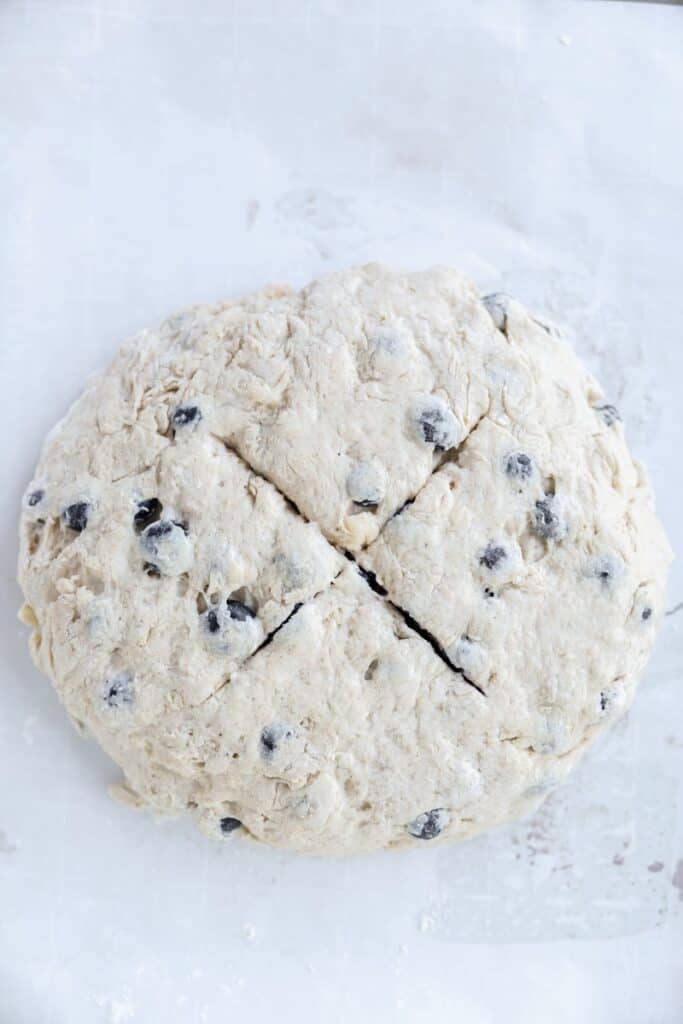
[291,504]
[369,577]
[377,588]
[268,639]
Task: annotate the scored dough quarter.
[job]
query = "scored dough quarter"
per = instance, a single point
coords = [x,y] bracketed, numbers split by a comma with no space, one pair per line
[367,565]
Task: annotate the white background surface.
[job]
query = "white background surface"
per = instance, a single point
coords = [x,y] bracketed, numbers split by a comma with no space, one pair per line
[157,153]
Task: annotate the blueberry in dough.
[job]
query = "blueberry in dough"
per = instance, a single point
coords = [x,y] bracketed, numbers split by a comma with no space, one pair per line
[366,484]
[147,511]
[35,497]
[167,547]
[229,825]
[186,414]
[76,516]
[271,739]
[612,701]
[430,824]
[548,519]
[232,628]
[239,611]
[606,570]
[435,424]
[609,413]
[493,556]
[154,533]
[119,691]
[646,614]
[519,466]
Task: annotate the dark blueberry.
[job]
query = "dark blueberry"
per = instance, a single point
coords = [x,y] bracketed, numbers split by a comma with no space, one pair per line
[429,825]
[271,737]
[645,614]
[212,623]
[160,529]
[185,414]
[492,556]
[366,484]
[35,497]
[76,516]
[609,413]
[238,610]
[437,426]
[148,511]
[151,535]
[519,466]
[119,692]
[605,569]
[152,570]
[548,522]
[229,825]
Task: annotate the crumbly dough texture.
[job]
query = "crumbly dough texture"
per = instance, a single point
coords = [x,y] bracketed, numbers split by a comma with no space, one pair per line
[367,565]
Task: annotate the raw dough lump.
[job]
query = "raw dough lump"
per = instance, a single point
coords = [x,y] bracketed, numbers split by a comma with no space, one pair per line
[366,565]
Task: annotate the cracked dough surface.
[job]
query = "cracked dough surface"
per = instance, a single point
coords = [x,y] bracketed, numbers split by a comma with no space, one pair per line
[182,558]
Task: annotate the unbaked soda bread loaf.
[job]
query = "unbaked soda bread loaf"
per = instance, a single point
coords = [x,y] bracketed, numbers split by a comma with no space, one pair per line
[365,565]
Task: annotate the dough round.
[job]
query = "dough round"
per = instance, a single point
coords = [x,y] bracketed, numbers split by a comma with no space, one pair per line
[367,565]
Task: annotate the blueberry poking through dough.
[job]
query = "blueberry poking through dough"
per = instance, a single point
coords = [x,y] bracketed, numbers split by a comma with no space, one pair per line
[232,628]
[435,424]
[167,547]
[272,738]
[430,824]
[76,516]
[185,415]
[609,413]
[147,511]
[229,825]
[119,691]
[239,611]
[366,484]
[35,497]
[493,556]
[519,466]
[646,614]
[548,519]
[606,570]
[612,701]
